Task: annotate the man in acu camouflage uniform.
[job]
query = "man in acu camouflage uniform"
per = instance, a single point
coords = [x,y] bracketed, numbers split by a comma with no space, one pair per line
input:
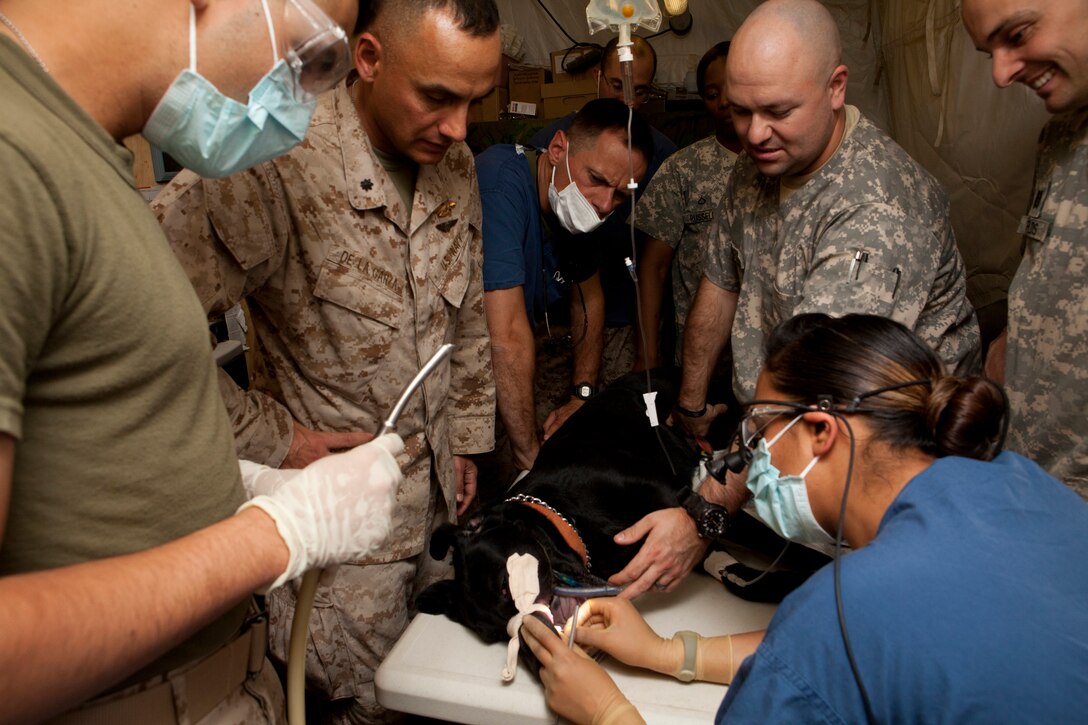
[360,254]
[822,213]
[677,208]
[1044,362]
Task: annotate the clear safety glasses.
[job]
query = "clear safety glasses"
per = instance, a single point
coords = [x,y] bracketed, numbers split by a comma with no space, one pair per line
[316,48]
[756,420]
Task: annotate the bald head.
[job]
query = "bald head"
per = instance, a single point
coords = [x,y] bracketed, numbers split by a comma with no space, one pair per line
[798,34]
[643,52]
[787,86]
[610,77]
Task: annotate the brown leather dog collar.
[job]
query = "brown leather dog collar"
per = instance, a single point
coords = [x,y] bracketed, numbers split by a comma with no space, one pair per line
[565,528]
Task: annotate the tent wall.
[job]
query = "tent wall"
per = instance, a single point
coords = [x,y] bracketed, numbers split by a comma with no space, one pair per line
[714,21]
[978,140]
[914,72]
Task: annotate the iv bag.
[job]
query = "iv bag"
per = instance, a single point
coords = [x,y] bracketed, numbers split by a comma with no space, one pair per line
[611,14]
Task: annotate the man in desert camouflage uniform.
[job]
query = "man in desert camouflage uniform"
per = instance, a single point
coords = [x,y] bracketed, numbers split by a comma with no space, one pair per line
[678,207]
[822,213]
[1045,358]
[360,255]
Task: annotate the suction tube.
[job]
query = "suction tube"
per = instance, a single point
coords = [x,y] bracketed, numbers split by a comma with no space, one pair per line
[304,603]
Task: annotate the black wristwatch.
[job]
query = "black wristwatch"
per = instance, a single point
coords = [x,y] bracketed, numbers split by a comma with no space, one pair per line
[711,520]
[583,391]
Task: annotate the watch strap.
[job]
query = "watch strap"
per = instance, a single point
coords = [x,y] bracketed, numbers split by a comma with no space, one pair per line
[690,413]
[703,512]
[691,647]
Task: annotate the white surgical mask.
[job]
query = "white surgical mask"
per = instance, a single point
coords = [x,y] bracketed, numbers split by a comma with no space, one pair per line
[214,135]
[570,205]
[782,501]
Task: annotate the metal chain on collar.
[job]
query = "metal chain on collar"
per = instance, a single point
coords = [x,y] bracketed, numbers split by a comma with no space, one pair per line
[521,497]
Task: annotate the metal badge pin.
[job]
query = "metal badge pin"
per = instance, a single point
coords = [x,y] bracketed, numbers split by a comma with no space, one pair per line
[445,209]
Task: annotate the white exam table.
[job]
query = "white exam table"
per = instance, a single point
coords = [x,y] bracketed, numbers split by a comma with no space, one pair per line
[441,670]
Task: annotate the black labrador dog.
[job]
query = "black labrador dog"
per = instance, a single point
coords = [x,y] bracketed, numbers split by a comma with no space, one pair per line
[600,473]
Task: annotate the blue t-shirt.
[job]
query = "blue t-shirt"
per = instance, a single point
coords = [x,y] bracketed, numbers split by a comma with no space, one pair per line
[605,247]
[516,250]
[971,605]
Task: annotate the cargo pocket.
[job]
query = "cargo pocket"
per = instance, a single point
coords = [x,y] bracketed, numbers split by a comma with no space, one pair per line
[331,670]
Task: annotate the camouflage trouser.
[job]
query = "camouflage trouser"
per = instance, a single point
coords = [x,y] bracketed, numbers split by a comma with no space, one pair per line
[258,700]
[554,365]
[359,613]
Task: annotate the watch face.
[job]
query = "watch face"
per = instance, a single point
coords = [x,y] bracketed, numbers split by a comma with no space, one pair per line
[583,391]
[715,523]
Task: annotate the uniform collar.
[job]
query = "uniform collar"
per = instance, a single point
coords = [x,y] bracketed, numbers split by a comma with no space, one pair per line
[368,184]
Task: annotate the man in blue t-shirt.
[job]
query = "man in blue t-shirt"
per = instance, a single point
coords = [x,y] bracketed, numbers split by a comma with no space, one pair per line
[609,351]
[569,187]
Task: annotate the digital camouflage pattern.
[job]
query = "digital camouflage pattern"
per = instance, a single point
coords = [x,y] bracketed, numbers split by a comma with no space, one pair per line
[869,232]
[1046,360]
[350,292]
[678,208]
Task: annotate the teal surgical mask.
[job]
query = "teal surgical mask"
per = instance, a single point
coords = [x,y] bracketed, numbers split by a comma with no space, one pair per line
[214,135]
[782,501]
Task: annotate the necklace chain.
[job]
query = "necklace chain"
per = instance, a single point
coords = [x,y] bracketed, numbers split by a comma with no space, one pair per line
[22,39]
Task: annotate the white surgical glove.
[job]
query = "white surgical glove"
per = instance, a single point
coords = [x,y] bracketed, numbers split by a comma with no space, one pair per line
[259,479]
[337,508]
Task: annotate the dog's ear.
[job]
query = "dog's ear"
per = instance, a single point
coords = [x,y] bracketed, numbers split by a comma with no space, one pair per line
[442,539]
[440,598]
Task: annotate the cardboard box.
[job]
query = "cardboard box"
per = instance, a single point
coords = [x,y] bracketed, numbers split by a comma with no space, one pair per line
[526,82]
[571,54]
[522,108]
[569,88]
[489,107]
[559,106]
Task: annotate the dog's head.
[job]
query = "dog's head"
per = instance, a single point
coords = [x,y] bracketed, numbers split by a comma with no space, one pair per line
[478,596]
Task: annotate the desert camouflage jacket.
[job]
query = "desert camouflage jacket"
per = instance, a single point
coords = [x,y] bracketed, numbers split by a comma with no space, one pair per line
[350,293]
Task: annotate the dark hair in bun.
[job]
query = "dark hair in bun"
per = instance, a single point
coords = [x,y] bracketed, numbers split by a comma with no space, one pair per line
[846,358]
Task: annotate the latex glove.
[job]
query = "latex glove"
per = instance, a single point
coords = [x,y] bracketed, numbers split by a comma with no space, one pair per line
[337,508]
[671,549]
[575,686]
[259,479]
[613,625]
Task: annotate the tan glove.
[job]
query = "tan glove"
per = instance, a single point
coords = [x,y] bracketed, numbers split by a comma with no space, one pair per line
[618,710]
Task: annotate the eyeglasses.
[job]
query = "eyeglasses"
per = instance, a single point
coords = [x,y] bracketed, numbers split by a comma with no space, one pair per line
[317,48]
[756,420]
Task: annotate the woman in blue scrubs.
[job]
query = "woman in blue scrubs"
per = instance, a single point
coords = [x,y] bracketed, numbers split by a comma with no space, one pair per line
[963,598]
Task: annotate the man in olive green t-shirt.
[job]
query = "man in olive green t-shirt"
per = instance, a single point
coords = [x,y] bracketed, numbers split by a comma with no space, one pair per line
[121,555]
